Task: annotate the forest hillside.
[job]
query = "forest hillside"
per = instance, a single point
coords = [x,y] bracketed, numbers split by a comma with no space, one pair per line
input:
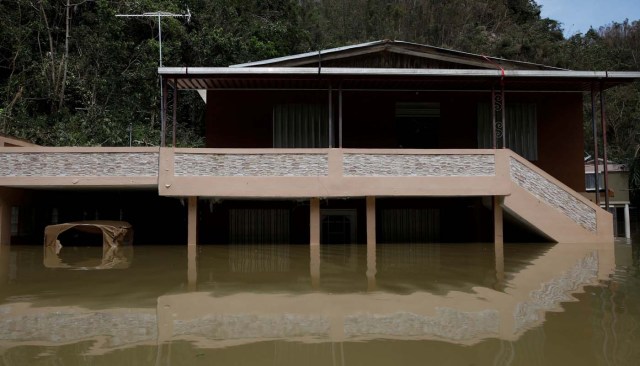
[73,73]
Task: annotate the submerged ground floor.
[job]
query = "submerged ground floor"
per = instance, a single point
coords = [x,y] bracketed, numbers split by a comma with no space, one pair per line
[299,196]
[356,220]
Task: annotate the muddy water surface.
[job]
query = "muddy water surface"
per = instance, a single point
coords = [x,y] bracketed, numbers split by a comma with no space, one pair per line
[441,304]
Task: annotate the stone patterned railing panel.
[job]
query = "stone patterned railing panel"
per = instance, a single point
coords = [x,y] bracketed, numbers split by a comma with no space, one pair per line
[234,326]
[419,165]
[78,164]
[553,195]
[69,326]
[448,323]
[251,165]
[552,293]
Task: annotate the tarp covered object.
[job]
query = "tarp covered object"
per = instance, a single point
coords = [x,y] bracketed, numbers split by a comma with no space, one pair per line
[114,233]
[113,257]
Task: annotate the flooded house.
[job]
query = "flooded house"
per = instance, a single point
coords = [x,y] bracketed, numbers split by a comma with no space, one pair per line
[381,142]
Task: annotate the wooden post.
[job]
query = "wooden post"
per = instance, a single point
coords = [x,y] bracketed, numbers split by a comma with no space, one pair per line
[192,221]
[314,221]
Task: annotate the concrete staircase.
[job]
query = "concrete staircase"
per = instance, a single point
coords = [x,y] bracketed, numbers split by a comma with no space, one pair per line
[551,208]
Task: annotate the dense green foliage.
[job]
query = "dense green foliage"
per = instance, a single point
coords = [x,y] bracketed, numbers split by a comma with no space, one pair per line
[72,73]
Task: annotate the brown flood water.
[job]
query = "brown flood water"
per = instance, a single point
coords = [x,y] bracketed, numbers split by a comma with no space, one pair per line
[437,304]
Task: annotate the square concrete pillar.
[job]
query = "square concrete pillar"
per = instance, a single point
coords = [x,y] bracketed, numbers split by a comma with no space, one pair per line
[371,220]
[314,221]
[5,222]
[498,239]
[498,236]
[192,267]
[192,221]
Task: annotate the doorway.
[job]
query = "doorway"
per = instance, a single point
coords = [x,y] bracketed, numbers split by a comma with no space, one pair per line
[417,125]
[338,226]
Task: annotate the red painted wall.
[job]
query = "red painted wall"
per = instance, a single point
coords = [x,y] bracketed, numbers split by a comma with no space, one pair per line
[243,119]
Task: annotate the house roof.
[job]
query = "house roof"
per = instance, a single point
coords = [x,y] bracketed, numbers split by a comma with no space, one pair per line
[408,49]
[391,79]
[392,65]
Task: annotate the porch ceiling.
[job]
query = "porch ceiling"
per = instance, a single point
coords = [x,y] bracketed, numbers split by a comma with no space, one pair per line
[391,79]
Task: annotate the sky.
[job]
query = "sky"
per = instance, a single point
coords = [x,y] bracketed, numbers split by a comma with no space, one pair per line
[578,15]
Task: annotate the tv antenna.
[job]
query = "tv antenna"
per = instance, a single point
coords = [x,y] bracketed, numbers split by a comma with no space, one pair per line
[160,15]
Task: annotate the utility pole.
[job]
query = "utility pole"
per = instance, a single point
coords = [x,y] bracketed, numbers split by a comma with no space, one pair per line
[160,15]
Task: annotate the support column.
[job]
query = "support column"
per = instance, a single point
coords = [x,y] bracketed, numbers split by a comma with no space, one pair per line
[5,222]
[371,243]
[5,263]
[498,241]
[175,111]
[371,221]
[498,236]
[163,111]
[627,222]
[314,221]
[340,117]
[192,220]
[192,267]
[605,162]
[595,144]
[314,266]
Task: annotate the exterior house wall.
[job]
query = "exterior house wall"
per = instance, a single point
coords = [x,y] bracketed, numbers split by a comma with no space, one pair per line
[243,119]
[619,184]
[561,138]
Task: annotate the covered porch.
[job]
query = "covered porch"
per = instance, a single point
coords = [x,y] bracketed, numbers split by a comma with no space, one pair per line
[320,133]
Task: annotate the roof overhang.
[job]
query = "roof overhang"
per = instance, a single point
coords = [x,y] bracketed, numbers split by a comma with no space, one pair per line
[217,78]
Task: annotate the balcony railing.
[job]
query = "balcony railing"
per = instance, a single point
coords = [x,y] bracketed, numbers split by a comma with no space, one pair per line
[331,172]
[77,166]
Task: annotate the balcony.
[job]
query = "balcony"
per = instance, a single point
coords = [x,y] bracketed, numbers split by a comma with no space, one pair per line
[78,166]
[332,172]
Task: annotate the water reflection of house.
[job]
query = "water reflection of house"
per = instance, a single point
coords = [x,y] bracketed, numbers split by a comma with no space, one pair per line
[617,191]
[149,305]
[385,141]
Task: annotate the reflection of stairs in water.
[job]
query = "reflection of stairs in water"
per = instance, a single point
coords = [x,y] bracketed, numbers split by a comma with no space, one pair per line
[551,208]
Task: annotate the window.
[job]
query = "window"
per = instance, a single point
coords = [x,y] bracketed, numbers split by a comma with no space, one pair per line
[300,126]
[259,226]
[590,181]
[338,226]
[521,128]
[409,225]
[417,125]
